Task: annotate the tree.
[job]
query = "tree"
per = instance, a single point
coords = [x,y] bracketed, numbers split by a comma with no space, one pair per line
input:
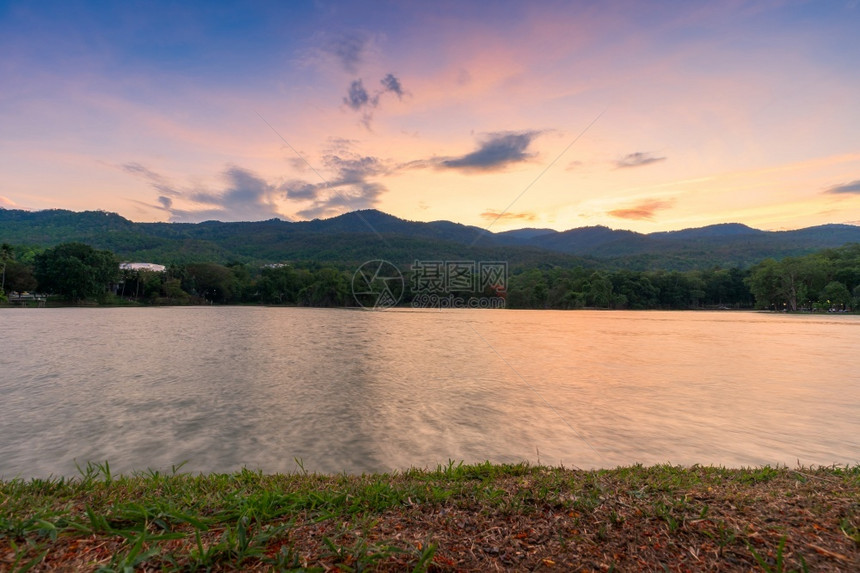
[695,288]
[599,291]
[6,255]
[673,289]
[173,293]
[280,284]
[329,287]
[19,277]
[76,271]
[837,294]
[641,293]
[765,285]
[141,283]
[528,290]
[211,281]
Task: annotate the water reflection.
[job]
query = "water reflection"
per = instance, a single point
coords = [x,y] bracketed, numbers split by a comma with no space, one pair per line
[359,391]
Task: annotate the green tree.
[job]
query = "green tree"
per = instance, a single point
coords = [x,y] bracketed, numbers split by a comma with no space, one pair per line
[765,284]
[837,294]
[173,293]
[76,271]
[695,288]
[673,289]
[244,285]
[637,290]
[599,291]
[328,287]
[141,283]
[6,255]
[214,282]
[528,290]
[19,277]
[280,284]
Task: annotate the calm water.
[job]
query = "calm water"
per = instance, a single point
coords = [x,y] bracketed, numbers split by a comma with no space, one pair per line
[357,391]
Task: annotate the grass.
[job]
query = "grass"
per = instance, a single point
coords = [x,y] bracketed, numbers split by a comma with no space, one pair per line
[455,517]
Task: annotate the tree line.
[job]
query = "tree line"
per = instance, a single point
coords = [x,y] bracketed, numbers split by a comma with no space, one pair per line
[625,289]
[77,272]
[825,280]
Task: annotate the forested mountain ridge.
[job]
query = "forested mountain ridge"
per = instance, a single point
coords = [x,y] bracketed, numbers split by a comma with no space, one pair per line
[361,235]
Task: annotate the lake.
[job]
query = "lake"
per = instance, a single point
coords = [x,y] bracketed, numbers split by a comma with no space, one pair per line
[356,391]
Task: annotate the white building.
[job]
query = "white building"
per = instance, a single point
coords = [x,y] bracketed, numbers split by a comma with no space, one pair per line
[142,267]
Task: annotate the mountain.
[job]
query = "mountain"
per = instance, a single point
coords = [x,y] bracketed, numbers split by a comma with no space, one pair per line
[347,240]
[719,230]
[371,234]
[584,239]
[524,234]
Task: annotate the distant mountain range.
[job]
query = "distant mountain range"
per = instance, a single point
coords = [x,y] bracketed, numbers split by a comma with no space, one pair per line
[362,235]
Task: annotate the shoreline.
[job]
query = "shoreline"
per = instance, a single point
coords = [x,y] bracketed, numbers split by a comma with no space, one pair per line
[454,518]
[56,304]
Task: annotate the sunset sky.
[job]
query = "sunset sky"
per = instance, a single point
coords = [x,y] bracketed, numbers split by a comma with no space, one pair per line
[637,115]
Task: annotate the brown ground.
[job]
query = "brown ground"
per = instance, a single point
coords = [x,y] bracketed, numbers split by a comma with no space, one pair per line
[635,519]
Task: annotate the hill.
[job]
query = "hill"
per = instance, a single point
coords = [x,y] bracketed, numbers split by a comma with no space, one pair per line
[370,234]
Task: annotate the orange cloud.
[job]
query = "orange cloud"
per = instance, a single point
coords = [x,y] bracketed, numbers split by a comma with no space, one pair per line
[508,216]
[644,210]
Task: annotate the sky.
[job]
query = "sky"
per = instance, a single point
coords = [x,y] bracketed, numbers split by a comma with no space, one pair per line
[633,114]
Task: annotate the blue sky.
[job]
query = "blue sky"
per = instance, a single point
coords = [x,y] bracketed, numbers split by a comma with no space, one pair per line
[642,115]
